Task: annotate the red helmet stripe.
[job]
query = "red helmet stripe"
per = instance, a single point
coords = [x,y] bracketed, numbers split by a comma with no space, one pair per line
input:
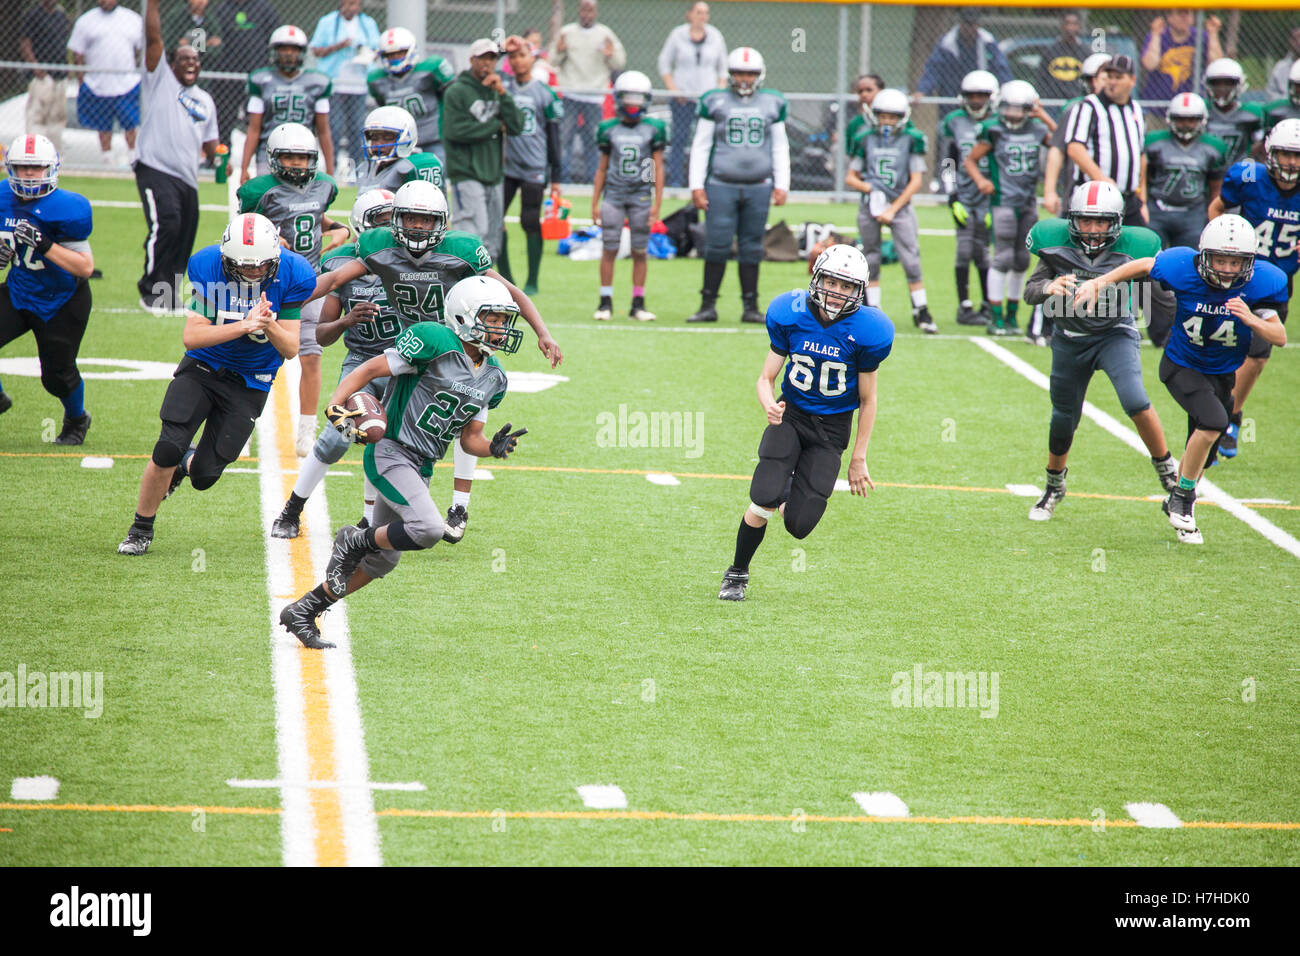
[30,147]
[249,222]
[1093,189]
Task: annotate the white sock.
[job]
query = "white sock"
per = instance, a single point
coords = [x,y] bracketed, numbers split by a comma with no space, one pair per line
[997,285]
[1015,285]
[465,463]
[311,472]
[967,304]
[873,296]
[460,498]
[607,292]
[368,510]
[918,299]
[368,495]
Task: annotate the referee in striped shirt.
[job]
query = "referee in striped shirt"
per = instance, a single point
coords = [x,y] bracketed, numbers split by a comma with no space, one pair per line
[1104,138]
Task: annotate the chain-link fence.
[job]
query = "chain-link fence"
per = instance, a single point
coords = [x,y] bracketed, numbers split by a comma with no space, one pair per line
[813,53]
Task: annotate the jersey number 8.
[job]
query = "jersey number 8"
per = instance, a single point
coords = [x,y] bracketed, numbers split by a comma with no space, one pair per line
[801,375]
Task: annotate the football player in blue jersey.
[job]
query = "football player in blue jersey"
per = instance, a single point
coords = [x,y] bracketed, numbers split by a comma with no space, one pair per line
[831,345]
[44,233]
[1268,195]
[241,326]
[1227,297]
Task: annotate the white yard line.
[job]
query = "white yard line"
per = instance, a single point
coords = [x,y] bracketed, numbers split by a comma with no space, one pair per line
[881,804]
[1208,490]
[1154,815]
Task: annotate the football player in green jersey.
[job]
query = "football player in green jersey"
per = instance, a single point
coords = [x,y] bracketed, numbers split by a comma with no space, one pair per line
[444,380]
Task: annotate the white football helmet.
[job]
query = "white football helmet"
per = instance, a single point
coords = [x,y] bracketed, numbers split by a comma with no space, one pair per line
[1088,71]
[397,48]
[473,298]
[250,249]
[745,59]
[1095,200]
[389,119]
[891,101]
[976,82]
[1189,108]
[294,44]
[844,262]
[297,139]
[1227,235]
[369,207]
[1230,79]
[30,150]
[1284,137]
[1293,84]
[1015,101]
[632,94]
[420,199]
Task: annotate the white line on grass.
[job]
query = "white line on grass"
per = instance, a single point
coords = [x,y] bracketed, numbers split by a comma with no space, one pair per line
[603,796]
[662,479]
[1154,815]
[320,785]
[882,804]
[34,788]
[1208,489]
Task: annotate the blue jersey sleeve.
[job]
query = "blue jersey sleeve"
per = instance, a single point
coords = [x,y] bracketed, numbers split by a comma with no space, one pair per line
[877,339]
[1233,182]
[206,280]
[778,333]
[1173,266]
[299,283]
[74,218]
[1267,287]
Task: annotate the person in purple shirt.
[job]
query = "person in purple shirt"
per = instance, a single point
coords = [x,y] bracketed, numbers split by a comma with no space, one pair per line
[1169,54]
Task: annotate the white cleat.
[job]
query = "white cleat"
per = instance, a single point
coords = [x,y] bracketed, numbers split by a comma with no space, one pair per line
[306,435]
[1190,537]
[1046,505]
[642,315]
[603,314]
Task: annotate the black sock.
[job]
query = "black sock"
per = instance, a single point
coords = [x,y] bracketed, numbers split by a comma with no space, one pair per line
[713,272]
[638,302]
[1165,457]
[370,539]
[295,503]
[1236,419]
[963,283]
[748,538]
[320,597]
[1055,478]
[748,281]
[142,523]
[984,283]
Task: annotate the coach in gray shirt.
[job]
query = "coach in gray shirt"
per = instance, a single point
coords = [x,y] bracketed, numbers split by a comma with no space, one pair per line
[178,122]
[692,62]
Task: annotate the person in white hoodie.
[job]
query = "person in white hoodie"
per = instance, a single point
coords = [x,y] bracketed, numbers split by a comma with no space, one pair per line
[583,55]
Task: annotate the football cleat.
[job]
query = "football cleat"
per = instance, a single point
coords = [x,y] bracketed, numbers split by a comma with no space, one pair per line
[74,430]
[1045,507]
[604,312]
[349,551]
[1190,537]
[454,528]
[968,316]
[922,320]
[996,327]
[641,315]
[136,542]
[1167,472]
[288,524]
[6,402]
[364,523]
[300,621]
[1180,506]
[306,435]
[734,583]
[707,313]
[1228,441]
[749,313]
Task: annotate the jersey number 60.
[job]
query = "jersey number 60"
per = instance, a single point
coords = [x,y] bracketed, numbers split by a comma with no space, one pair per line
[801,375]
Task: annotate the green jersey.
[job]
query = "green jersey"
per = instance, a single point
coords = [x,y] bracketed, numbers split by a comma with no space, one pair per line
[394,174]
[285,99]
[631,149]
[1178,174]
[416,285]
[887,156]
[1058,255]
[1238,128]
[365,339]
[297,211]
[854,130]
[1014,168]
[1277,111]
[957,133]
[436,389]
[418,91]
[742,145]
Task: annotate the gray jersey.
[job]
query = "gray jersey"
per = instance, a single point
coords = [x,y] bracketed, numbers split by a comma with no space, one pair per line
[297,211]
[424,166]
[364,340]
[1238,128]
[436,390]
[1014,163]
[956,139]
[742,146]
[631,149]
[285,99]
[886,157]
[1177,173]
[418,91]
[526,153]
[416,287]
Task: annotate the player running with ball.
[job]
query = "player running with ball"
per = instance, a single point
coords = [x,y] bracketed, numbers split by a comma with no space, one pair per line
[444,380]
[833,344]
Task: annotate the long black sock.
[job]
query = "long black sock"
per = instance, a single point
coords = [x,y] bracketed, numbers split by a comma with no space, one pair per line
[320,598]
[503,261]
[984,283]
[713,272]
[295,503]
[963,283]
[748,281]
[748,538]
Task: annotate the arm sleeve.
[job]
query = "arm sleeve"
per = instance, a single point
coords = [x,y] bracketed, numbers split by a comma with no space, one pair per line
[930,74]
[1230,191]
[700,153]
[780,158]
[619,60]
[1036,287]
[255,105]
[665,64]
[778,335]
[553,151]
[77,39]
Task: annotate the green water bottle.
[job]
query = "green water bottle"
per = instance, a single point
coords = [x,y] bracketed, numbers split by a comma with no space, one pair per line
[222,161]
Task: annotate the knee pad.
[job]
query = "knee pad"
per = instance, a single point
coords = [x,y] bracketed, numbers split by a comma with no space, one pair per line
[530,217]
[802,515]
[425,531]
[62,382]
[965,248]
[1060,434]
[777,452]
[379,563]
[331,446]
[167,453]
[1021,258]
[1004,257]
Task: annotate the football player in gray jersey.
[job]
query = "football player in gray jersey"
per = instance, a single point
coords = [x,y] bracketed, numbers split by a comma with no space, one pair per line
[443,380]
[970,207]
[392,160]
[1185,168]
[1240,125]
[740,163]
[532,157]
[285,93]
[414,84]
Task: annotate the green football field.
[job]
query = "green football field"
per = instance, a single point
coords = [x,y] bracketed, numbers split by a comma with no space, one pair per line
[574,638]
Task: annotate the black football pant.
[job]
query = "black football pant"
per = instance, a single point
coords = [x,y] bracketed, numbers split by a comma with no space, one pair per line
[57,340]
[798,462]
[197,394]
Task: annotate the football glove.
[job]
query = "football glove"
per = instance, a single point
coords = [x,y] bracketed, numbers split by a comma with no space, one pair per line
[504,441]
[960,214]
[6,254]
[988,219]
[29,234]
[342,419]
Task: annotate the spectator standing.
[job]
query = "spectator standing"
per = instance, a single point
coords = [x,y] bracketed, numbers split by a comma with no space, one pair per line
[964,48]
[583,55]
[1169,54]
[245,29]
[476,110]
[1105,135]
[43,38]
[692,62]
[541,67]
[190,21]
[1277,77]
[344,44]
[1062,64]
[108,38]
[180,122]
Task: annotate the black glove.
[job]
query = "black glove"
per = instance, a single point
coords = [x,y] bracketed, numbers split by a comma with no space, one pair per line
[504,441]
[6,254]
[29,234]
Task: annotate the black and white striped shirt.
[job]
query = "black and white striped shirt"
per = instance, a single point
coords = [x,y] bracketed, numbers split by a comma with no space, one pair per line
[1113,136]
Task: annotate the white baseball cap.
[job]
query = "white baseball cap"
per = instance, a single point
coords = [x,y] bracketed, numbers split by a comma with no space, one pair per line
[484,47]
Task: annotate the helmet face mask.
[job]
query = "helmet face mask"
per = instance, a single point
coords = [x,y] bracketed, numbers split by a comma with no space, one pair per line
[743,82]
[1188,117]
[979,90]
[250,251]
[1223,92]
[1015,102]
[1093,240]
[1214,269]
[33,166]
[397,50]
[389,133]
[372,209]
[1092,203]
[293,167]
[291,153]
[976,104]
[288,58]
[482,313]
[632,94]
[418,237]
[745,70]
[494,330]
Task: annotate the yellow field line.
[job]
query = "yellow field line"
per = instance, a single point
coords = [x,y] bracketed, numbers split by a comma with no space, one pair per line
[669,815]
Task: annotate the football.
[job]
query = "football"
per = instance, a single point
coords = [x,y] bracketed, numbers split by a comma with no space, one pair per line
[372,422]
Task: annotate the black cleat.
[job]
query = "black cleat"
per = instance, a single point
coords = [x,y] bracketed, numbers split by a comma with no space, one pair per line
[966,316]
[734,583]
[707,312]
[750,313]
[363,524]
[74,430]
[136,542]
[457,519]
[922,320]
[6,402]
[1167,472]
[349,551]
[288,524]
[299,619]
[1180,506]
